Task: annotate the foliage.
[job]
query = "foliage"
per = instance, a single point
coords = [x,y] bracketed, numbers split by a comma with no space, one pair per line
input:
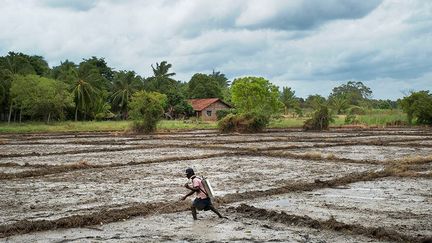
[351,119]
[353,92]
[161,81]
[177,106]
[223,113]
[96,72]
[383,104]
[244,123]
[146,109]
[418,105]
[125,83]
[356,110]
[256,95]
[101,110]
[315,101]
[204,86]
[288,98]
[40,97]
[339,103]
[320,120]
[84,94]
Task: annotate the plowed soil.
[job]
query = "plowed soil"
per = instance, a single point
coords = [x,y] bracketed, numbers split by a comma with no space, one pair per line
[281,186]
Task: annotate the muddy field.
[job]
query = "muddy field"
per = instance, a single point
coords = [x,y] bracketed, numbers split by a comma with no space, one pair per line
[279,186]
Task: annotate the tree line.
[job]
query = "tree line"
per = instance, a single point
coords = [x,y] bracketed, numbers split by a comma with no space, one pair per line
[91,90]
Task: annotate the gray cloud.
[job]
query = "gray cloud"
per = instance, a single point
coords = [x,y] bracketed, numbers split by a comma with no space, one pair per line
[80,5]
[309,45]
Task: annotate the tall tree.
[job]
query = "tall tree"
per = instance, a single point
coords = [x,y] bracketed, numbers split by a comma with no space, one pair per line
[354,92]
[288,98]
[96,72]
[67,72]
[220,79]
[84,94]
[40,97]
[256,94]
[418,105]
[315,101]
[125,83]
[162,80]
[162,70]
[204,86]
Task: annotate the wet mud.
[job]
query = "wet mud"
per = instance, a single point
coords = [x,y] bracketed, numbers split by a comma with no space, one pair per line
[116,180]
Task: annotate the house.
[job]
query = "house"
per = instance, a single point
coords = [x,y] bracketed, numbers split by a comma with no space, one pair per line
[206,108]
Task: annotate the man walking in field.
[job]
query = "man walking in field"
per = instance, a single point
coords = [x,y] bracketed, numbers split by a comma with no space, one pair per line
[202,200]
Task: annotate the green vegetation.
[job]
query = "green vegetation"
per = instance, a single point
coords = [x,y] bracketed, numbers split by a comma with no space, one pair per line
[32,92]
[146,110]
[244,123]
[418,106]
[320,120]
[374,118]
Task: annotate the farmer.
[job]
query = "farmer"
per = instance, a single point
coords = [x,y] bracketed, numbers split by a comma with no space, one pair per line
[202,201]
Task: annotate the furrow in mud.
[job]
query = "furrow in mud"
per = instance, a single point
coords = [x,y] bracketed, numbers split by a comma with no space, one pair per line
[44,169]
[214,145]
[145,209]
[97,218]
[379,233]
[56,169]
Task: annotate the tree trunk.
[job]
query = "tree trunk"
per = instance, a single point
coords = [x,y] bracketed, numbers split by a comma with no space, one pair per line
[10,113]
[76,113]
[20,115]
[49,116]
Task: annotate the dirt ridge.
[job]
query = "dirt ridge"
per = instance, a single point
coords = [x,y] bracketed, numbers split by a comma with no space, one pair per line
[379,233]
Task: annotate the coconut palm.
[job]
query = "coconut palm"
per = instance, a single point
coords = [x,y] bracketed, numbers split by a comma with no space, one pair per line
[124,85]
[162,69]
[84,94]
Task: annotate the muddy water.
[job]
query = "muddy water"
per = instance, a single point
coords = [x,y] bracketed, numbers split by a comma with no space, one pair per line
[398,203]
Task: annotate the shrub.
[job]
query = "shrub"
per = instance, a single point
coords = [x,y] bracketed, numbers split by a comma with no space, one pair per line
[223,113]
[351,119]
[320,120]
[418,105]
[244,123]
[356,110]
[146,110]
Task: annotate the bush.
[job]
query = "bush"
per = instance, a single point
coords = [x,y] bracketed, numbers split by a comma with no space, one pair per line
[356,110]
[320,120]
[418,105]
[351,119]
[146,110]
[244,123]
[223,113]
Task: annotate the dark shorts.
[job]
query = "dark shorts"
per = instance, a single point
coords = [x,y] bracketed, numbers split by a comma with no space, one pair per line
[202,204]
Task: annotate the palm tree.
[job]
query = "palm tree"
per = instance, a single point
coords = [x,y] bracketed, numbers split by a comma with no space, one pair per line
[84,94]
[124,85]
[161,81]
[162,70]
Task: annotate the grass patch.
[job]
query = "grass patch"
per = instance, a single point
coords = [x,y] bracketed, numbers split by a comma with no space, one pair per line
[286,122]
[373,117]
[97,126]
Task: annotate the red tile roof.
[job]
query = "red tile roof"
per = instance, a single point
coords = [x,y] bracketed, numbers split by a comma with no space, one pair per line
[201,104]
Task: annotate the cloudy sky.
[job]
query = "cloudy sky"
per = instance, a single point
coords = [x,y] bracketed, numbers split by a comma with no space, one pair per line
[309,45]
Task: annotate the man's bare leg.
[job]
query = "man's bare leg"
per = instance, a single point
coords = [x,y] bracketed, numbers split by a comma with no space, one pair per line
[194,213]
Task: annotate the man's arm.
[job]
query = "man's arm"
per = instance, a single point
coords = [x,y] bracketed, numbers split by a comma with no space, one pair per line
[193,190]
